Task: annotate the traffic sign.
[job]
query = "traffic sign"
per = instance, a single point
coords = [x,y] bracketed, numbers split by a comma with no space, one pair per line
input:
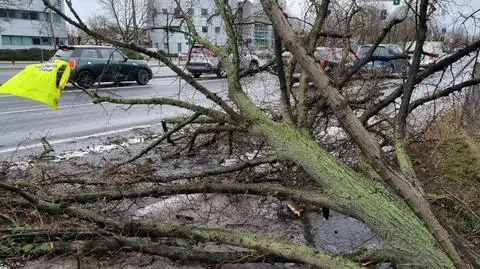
[396,2]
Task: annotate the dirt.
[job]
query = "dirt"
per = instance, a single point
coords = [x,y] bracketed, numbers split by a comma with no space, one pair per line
[96,170]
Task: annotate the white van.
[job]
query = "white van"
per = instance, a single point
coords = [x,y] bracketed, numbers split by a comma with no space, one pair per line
[433,49]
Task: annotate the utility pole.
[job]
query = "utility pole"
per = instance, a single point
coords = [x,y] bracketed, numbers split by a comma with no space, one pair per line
[134,19]
[54,41]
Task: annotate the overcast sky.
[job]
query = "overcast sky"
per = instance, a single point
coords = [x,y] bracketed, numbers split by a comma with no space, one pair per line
[87,8]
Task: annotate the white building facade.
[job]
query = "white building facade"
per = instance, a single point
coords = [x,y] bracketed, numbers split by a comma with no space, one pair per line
[27,24]
[204,15]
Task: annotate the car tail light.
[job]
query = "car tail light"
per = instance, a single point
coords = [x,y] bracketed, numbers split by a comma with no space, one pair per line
[210,54]
[323,62]
[72,63]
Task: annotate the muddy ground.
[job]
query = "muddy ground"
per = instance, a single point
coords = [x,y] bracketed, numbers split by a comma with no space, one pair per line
[95,168]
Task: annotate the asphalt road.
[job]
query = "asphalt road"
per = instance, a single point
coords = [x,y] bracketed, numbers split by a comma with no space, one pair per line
[7,73]
[25,122]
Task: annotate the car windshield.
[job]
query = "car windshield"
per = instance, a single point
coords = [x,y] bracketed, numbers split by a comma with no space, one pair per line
[363,50]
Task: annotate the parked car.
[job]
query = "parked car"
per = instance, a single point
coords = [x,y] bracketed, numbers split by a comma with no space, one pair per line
[92,63]
[384,66]
[331,59]
[434,50]
[202,60]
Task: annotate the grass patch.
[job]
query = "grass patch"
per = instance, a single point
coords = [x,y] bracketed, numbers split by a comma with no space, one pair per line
[447,161]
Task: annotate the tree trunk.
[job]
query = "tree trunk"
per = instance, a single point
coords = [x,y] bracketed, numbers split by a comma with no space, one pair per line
[406,239]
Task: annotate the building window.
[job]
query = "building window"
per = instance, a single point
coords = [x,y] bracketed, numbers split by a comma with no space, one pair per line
[13,14]
[217,29]
[46,41]
[165,46]
[3,13]
[164,11]
[34,16]
[60,41]
[45,17]
[383,14]
[204,29]
[157,45]
[6,40]
[204,12]
[57,18]
[191,11]
[179,47]
[36,40]
[25,15]
[17,40]
[29,40]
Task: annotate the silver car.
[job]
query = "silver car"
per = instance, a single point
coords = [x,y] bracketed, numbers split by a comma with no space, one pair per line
[202,60]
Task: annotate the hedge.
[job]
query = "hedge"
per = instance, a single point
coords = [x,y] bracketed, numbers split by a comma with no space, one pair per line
[25,54]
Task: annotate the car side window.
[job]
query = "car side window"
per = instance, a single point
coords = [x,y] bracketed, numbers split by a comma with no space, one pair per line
[106,53]
[117,56]
[111,54]
[397,50]
[90,53]
[391,51]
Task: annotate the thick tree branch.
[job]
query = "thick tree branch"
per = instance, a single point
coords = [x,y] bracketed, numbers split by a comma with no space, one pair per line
[443,93]
[280,248]
[284,93]
[115,243]
[357,132]
[403,159]
[164,101]
[165,136]
[157,55]
[438,66]
[312,198]
[216,171]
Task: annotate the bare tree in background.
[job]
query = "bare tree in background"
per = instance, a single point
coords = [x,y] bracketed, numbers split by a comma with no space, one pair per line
[129,18]
[363,170]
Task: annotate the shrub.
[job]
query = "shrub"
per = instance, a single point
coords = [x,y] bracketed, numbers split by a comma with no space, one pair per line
[33,54]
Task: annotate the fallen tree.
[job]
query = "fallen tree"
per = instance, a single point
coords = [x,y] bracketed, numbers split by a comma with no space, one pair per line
[384,194]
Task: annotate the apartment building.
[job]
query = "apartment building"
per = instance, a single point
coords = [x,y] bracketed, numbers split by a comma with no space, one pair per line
[167,21]
[27,24]
[255,26]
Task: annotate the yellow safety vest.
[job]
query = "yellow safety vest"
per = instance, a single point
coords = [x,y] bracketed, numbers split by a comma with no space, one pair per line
[40,82]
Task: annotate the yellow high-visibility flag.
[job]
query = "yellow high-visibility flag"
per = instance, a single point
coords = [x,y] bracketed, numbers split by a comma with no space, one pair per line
[40,82]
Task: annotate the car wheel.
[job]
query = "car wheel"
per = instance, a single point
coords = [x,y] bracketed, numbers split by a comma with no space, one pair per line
[142,77]
[196,74]
[85,79]
[221,72]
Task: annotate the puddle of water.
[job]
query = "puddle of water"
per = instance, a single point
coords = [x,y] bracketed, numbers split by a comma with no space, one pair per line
[342,234]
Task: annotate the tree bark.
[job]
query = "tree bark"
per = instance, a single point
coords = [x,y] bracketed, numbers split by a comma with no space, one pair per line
[470,119]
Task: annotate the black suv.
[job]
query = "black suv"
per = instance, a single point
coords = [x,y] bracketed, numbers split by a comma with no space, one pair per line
[92,63]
